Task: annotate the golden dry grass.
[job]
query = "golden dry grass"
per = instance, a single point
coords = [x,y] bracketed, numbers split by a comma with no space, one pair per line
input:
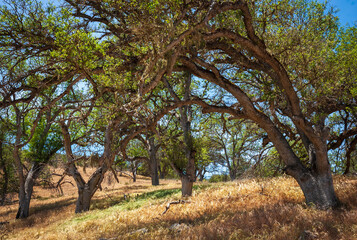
[244,209]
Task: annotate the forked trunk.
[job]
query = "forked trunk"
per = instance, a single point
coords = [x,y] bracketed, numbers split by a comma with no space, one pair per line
[232,174]
[187,185]
[316,181]
[83,200]
[86,190]
[25,198]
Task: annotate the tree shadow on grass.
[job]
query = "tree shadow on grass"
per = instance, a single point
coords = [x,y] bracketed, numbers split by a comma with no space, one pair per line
[111,200]
[53,206]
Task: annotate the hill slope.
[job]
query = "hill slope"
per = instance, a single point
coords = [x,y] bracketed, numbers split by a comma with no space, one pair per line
[244,209]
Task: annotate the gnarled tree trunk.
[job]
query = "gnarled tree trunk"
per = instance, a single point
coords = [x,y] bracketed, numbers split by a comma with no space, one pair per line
[86,190]
[24,201]
[316,182]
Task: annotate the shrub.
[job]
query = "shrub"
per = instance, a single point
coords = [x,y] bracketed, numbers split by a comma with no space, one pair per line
[219,178]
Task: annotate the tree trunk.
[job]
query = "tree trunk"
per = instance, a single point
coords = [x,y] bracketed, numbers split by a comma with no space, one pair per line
[232,174]
[317,188]
[5,185]
[24,201]
[84,199]
[202,176]
[187,185]
[87,190]
[133,171]
[24,207]
[315,182]
[351,148]
[154,173]
[162,171]
[188,176]
[6,175]
[153,163]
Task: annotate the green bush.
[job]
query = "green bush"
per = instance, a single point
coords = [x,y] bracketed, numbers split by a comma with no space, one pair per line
[219,178]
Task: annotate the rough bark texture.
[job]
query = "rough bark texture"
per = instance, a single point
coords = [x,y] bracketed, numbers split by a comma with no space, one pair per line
[189,176]
[24,202]
[86,190]
[187,185]
[318,190]
[83,200]
[153,162]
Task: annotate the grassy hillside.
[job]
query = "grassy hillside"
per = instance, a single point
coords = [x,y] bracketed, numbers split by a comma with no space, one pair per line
[244,209]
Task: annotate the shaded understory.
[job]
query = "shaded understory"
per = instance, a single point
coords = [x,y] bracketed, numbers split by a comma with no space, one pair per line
[246,209]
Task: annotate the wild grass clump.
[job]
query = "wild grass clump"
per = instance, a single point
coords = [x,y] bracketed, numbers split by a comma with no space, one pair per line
[244,209]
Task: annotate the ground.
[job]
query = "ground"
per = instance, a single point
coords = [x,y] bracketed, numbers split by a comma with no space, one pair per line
[251,208]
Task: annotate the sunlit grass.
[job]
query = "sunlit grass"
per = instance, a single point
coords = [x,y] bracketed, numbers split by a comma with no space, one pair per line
[243,209]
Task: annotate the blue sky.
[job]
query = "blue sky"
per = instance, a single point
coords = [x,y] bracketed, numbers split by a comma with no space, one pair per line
[347,10]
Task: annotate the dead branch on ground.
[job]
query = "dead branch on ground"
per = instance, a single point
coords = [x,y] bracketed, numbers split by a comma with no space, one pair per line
[174,202]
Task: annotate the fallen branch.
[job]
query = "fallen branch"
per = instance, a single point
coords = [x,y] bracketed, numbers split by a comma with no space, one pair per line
[174,202]
[115,174]
[126,174]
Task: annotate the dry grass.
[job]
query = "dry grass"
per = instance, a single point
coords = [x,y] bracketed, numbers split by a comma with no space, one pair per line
[245,209]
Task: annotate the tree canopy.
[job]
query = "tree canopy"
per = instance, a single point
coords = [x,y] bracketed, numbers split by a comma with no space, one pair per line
[278,71]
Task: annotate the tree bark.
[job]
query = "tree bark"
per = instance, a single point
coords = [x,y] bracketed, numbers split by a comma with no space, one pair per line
[316,182]
[23,212]
[232,174]
[6,175]
[317,188]
[153,163]
[24,202]
[351,148]
[86,190]
[83,200]
[162,171]
[186,115]
[187,185]
[189,175]
[134,175]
